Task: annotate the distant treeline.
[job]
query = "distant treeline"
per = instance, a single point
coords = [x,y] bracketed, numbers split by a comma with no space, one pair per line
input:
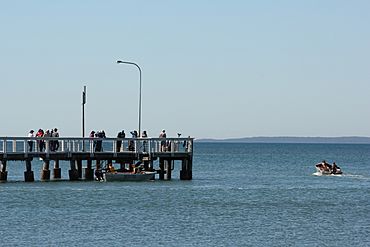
[283,139]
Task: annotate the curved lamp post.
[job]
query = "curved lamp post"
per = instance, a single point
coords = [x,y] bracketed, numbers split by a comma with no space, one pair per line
[139,91]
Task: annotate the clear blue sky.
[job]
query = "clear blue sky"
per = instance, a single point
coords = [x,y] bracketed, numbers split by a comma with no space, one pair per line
[213,69]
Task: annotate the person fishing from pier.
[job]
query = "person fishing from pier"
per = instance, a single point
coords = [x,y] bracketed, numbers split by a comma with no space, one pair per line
[30,141]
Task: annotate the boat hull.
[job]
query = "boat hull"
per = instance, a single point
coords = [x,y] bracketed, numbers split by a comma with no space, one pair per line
[324,172]
[126,176]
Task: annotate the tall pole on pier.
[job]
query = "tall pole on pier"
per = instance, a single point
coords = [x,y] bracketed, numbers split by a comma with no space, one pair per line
[83,117]
[137,66]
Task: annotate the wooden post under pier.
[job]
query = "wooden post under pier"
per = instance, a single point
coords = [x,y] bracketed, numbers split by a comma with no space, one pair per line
[57,171]
[73,172]
[79,168]
[186,172]
[89,172]
[3,172]
[28,174]
[168,169]
[45,173]
[161,169]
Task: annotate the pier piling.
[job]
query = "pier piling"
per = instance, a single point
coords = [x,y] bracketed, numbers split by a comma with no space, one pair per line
[28,174]
[3,172]
[45,173]
[167,169]
[57,172]
[79,168]
[73,172]
[89,172]
[186,171]
[161,169]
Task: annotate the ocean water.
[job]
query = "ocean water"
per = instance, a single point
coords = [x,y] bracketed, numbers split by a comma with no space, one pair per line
[240,195]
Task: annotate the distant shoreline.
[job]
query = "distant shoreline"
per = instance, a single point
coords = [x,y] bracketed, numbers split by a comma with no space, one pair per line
[283,139]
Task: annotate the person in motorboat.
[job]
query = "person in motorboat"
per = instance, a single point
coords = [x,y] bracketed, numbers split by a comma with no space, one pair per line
[99,175]
[111,168]
[326,168]
[335,169]
[137,167]
[323,166]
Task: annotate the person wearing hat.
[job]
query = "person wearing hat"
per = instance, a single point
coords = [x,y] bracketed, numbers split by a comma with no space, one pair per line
[30,141]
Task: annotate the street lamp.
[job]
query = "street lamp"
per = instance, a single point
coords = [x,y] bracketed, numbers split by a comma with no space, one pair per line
[83,118]
[139,91]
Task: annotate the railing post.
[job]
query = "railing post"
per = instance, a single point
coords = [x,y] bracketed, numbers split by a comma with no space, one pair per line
[91,146]
[5,148]
[47,147]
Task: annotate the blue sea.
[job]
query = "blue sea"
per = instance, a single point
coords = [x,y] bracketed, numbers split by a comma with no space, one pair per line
[240,195]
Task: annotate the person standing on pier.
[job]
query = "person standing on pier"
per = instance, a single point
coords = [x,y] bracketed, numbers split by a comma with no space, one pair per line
[40,143]
[47,134]
[163,135]
[99,142]
[55,145]
[131,145]
[92,143]
[145,143]
[119,142]
[30,141]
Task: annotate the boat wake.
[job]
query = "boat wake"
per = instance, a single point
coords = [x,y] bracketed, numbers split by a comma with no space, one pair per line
[354,176]
[327,175]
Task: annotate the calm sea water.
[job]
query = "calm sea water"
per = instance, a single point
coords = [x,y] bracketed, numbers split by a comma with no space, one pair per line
[240,195]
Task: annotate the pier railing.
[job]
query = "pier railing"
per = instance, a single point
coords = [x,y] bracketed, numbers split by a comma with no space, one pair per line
[36,145]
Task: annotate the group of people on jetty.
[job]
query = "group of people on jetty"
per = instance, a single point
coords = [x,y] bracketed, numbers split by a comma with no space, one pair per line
[326,168]
[98,143]
[41,145]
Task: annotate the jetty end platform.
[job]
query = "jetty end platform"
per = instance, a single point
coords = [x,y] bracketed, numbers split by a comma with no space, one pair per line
[88,154]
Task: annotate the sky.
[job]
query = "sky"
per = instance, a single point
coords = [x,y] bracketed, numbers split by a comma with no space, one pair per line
[210,69]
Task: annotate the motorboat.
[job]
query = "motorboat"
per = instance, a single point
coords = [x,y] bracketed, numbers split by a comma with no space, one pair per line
[324,168]
[129,176]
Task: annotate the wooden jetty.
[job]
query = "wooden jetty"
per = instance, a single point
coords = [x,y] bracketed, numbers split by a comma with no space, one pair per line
[122,152]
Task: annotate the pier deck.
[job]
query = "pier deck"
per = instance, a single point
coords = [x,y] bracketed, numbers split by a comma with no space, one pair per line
[112,150]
